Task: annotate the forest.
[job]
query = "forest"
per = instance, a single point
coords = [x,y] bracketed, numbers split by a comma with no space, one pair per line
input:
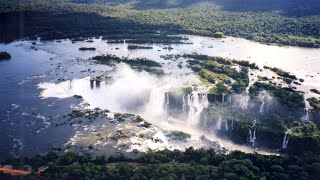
[165,164]
[62,18]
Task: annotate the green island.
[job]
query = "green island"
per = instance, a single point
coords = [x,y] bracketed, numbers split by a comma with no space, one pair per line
[87,49]
[315,91]
[135,47]
[5,56]
[136,63]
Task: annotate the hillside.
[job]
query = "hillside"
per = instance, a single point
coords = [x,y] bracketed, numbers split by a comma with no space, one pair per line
[255,22]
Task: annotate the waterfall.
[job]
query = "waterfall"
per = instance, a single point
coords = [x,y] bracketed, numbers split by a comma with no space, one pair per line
[205,100]
[157,102]
[252,136]
[184,104]
[268,107]
[219,123]
[244,102]
[196,102]
[285,140]
[305,116]
[227,126]
[167,101]
[205,120]
[98,82]
[232,124]
[91,83]
[262,107]
[230,99]
[223,95]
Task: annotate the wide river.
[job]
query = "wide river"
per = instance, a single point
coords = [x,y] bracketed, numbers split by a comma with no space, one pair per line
[27,119]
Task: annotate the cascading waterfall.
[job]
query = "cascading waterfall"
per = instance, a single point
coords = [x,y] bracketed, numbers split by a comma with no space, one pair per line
[219,123]
[192,109]
[252,136]
[268,107]
[223,95]
[68,87]
[226,124]
[244,102]
[196,102]
[205,100]
[205,120]
[262,107]
[167,101]
[157,102]
[230,99]
[305,116]
[285,140]
[184,104]
[232,124]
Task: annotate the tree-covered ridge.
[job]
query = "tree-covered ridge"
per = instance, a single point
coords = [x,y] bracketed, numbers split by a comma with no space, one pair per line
[287,7]
[203,18]
[190,164]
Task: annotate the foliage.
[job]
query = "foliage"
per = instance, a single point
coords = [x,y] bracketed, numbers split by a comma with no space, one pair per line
[288,96]
[306,130]
[106,59]
[315,103]
[221,70]
[281,73]
[246,64]
[219,89]
[165,164]
[136,63]
[315,91]
[187,90]
[178,135]
[218,35]
[134,47]
[61,18]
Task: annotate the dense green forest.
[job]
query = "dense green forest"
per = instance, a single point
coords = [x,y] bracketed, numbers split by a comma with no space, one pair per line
[190,164]
[271,23]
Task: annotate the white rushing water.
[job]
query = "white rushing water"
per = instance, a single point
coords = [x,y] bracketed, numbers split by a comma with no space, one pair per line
[226,125]
[285,140]
[144,94]
[243,104]
[219,123]
[196,102]
[252,136]
[261,110]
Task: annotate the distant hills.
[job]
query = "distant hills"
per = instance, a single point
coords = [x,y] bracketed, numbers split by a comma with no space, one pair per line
[290,7]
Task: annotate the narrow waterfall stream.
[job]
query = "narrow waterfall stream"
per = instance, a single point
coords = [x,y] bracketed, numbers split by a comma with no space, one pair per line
[285,140]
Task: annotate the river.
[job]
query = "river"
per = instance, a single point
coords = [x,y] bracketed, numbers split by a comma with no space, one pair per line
[32,100]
